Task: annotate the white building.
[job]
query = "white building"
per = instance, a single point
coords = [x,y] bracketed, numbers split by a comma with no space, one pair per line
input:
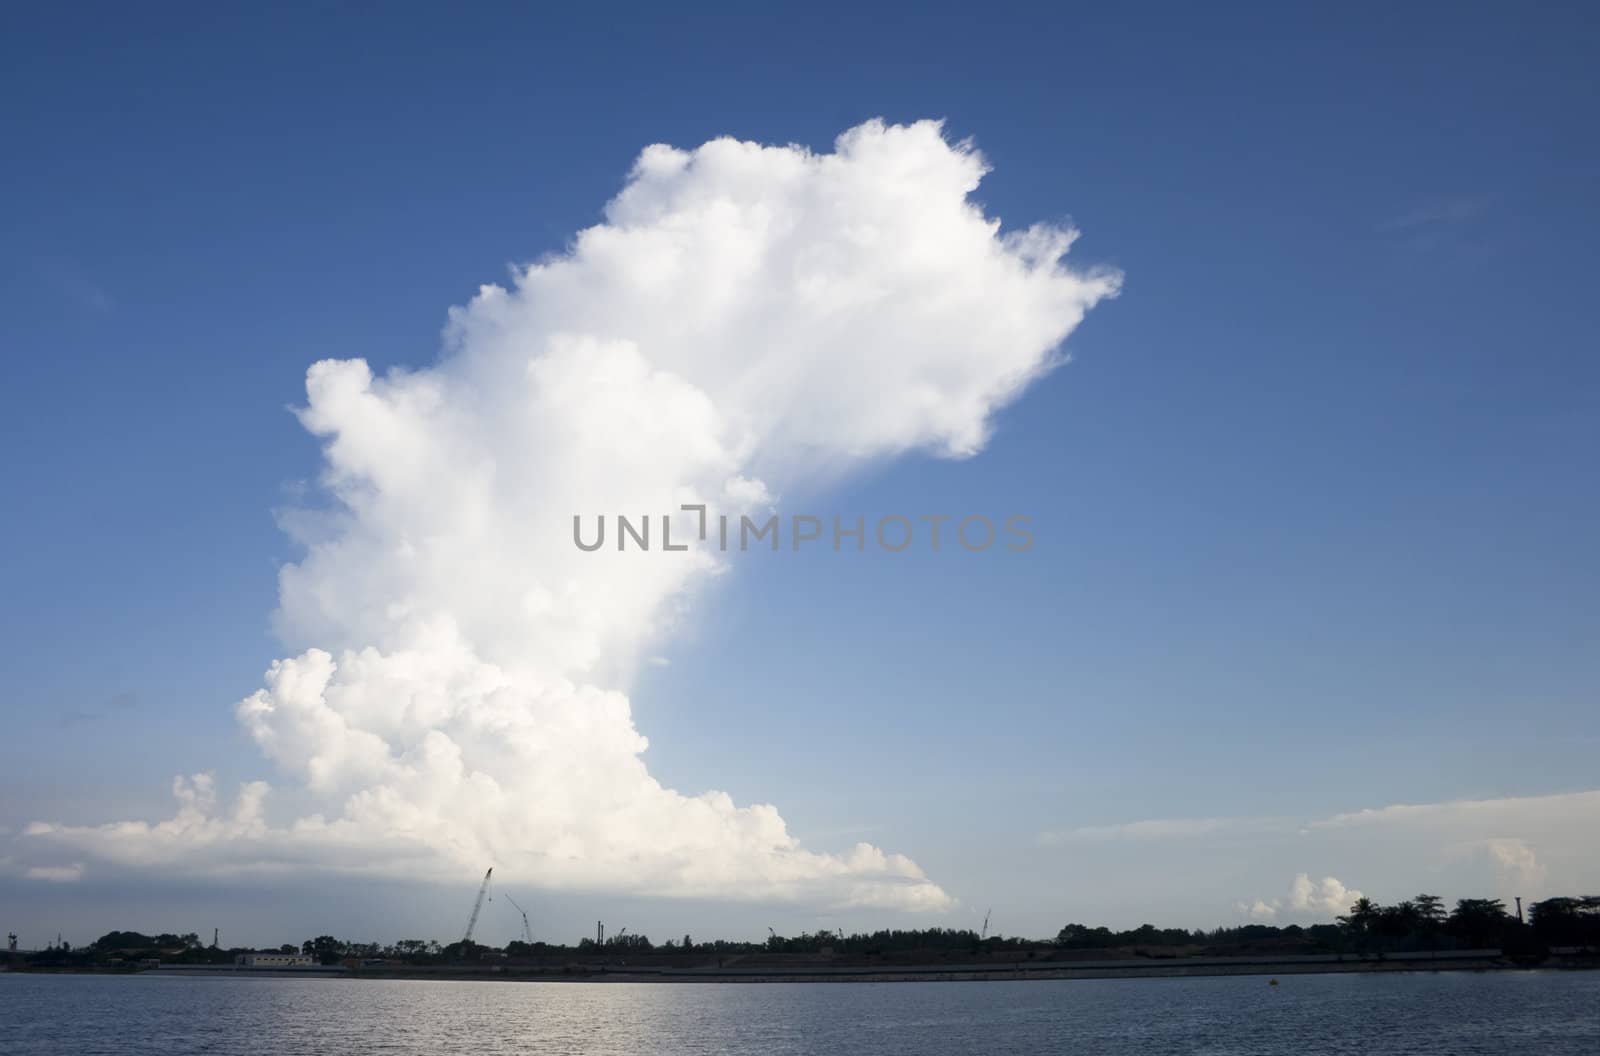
[274,959]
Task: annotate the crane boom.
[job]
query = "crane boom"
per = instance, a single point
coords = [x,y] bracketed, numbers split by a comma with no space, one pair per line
[477,906]
[527,932]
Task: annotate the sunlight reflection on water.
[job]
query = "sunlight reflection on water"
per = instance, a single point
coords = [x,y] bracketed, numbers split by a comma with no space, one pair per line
[1459,1014]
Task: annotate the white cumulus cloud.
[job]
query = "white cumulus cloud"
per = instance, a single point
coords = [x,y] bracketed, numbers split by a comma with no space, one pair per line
[1328,896]
[1260,909]
[746,321]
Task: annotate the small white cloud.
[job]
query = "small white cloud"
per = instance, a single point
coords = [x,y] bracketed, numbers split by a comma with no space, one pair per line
[1509,865]
[55,874]
[1152,829]
[1329,896]
[71,282]
[1260,909]
[1438,211]
[1517,859]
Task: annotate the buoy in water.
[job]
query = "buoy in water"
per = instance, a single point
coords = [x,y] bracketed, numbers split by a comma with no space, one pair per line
[1272,982]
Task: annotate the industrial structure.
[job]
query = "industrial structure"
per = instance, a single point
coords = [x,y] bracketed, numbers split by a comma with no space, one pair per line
[274,959]
[477,907]
[527,931]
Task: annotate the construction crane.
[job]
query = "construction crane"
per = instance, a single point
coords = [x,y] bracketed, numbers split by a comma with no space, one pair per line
[985,933]
[477,906]
[527,932]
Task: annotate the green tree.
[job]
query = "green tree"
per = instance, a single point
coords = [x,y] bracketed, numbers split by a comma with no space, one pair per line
[125,940]
[1479,921]
[1567,921]
[1430,909]
[1398,922]
[1364,913]
[325,948]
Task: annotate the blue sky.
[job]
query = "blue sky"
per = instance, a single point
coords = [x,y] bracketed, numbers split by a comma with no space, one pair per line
[1314,500]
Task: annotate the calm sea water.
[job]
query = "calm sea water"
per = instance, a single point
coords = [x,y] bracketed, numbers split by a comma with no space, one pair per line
[1458,1014]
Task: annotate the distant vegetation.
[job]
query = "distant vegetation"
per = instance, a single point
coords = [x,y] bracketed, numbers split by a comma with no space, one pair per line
[1420,923]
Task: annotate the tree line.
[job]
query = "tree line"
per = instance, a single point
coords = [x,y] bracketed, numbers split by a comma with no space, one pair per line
[1420,923]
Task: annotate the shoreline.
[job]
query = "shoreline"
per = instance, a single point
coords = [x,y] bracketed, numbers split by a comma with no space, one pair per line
[1454,961]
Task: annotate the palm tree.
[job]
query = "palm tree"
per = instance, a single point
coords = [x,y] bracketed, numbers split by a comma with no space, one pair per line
[1363,914]
[1430,908]
[1361,920]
